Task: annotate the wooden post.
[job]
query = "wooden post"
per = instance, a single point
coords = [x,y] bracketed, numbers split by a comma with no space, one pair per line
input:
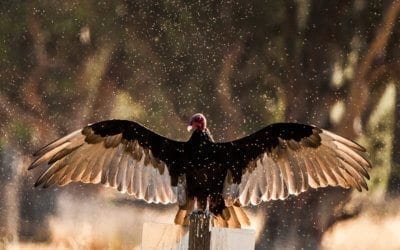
[198,236]
[199,231]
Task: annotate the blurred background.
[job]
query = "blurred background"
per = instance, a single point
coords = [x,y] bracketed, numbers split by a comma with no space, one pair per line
[244,64]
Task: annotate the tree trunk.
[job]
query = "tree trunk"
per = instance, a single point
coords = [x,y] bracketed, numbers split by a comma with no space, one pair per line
[11,166]
[394,179]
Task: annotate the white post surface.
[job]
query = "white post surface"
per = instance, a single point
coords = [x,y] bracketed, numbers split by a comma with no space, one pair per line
[232,238]
[157,236]
[174,237]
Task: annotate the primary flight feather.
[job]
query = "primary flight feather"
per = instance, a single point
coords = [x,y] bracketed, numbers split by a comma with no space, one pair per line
[272,163]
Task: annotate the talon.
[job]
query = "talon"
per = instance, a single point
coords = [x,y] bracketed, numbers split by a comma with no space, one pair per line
[208,205]
[195,206]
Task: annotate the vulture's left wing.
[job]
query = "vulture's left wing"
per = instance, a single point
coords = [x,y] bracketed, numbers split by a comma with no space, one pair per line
[118,153]
[287,158]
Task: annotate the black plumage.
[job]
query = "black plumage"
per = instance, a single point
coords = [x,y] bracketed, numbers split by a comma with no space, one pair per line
[278,160]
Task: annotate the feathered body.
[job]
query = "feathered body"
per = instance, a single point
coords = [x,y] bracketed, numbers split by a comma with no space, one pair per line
[278,160]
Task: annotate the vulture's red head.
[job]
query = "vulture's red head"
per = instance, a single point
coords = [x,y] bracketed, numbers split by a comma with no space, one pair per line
[197,122]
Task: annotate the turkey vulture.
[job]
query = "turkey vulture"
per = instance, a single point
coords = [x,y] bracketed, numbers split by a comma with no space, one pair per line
[220,177]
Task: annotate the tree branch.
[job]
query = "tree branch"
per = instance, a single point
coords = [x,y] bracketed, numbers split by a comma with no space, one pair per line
[360,87]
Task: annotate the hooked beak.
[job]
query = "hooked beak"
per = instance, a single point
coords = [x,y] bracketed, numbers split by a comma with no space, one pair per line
[189,128]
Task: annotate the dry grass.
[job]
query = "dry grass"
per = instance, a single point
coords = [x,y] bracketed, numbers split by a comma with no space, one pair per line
[95,223]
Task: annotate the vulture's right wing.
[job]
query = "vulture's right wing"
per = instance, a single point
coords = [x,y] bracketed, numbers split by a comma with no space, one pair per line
[288,158]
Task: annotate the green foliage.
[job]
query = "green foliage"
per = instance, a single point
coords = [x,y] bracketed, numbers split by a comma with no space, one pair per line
[2,143]
[379,139]
[21,132]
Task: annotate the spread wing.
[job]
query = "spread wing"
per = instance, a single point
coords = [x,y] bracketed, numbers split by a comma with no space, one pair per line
[117,153]
[288,158]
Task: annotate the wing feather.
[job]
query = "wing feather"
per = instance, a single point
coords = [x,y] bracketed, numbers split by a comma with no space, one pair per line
[120,154]
[323,182]
[121,173]
[130,173]
[329,178]
[286,159]
[269,177]
[302,171]
[77,173]
[311,173]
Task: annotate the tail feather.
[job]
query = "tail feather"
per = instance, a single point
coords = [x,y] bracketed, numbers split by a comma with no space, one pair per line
[232,216]
[233,220]
[219,221]
[241,215]
[235,217]
[182,217]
